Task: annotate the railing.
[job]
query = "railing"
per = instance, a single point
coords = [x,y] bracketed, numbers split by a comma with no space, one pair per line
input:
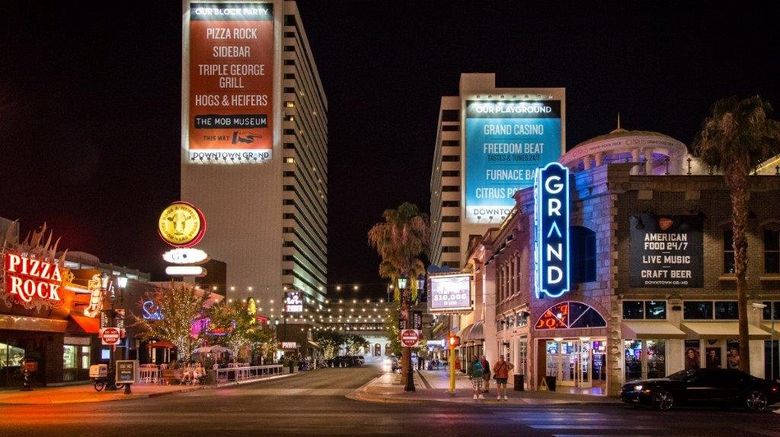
[239,374]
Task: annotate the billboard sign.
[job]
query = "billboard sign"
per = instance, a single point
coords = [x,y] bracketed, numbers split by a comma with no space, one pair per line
[551,218]
[506,142]
[450,293]
[293,302]
[231,58]
[666,251]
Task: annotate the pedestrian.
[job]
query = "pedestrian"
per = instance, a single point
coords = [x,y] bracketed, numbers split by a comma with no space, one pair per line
[485,373]
[501,371]
[475,373]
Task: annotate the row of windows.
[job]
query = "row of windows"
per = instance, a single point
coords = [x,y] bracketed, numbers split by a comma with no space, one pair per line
[450,188]
[513,320]
[450,219]
[451,128]
[450,158]
[450,115]
[692,310]
[450,173]
[450,249]
[450,234]
[450,143]
[450,203]
[771,239]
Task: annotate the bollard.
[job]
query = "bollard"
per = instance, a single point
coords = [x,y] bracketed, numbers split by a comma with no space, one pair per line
[26,382]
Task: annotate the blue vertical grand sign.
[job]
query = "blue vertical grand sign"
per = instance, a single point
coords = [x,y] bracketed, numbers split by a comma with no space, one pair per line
[551,218]
[506,142]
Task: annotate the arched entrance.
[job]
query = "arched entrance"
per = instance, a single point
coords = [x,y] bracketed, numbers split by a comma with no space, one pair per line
[572,347]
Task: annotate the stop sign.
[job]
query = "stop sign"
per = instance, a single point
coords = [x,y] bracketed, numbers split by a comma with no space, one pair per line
[410,337]
[111,336]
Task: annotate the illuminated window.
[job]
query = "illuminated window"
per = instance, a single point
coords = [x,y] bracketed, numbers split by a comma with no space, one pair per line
[570,315]
[289,104]
[85,357]
[289,160]
[69,357]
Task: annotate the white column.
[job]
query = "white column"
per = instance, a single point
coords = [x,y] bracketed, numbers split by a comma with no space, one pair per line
[648,161]
[489,312]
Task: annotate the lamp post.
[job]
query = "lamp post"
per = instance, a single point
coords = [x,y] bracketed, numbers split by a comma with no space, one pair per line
[108,287]
[403,280]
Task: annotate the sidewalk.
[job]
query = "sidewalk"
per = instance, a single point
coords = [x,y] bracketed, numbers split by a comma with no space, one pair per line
[86,393]
[433,385]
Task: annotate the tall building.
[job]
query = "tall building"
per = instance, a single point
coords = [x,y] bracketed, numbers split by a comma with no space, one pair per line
[489,143]
[254,147]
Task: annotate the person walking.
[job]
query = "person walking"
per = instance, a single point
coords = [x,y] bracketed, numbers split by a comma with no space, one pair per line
[485,373]
[475,373]
[501,371]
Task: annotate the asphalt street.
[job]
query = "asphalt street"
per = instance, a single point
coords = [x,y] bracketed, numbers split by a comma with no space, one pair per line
[313,404]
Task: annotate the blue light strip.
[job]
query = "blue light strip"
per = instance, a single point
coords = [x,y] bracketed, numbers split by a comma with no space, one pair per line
[551,218]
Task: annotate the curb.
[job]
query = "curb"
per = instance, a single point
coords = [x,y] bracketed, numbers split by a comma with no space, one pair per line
[154,395]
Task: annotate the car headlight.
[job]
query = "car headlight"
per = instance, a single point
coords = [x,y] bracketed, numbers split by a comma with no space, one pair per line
[638,387]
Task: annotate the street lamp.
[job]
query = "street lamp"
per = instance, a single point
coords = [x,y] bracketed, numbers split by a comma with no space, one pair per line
[403,280]
[108,288]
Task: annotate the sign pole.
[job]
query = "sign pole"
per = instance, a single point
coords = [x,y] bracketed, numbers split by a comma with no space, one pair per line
[452,365]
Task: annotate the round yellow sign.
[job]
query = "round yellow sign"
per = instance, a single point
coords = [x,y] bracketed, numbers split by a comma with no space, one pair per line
[181,224]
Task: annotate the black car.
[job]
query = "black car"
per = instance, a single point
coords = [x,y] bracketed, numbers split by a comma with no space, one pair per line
[703,386]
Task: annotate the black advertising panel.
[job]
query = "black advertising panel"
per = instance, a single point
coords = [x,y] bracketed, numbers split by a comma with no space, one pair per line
[666,251]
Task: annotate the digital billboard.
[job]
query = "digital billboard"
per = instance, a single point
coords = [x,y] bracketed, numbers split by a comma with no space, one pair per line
[293,302]
[450,293]
[231,58]
[506,141]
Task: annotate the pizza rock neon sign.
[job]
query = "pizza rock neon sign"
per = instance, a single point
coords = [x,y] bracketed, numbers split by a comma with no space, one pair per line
[552,231]
[30,278]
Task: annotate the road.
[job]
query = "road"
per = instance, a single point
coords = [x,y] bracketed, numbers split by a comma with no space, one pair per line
[313,404]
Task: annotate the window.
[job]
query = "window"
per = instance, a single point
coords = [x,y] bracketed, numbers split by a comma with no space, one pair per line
[450,143]
[289,89]
[450,234]
[767,315]
[450,188]
[584,246]
[450,115]
[450,249]
[289,62]
[728,251]
[655,309]
[450,203]
[454,128]
[450,173]
[771,251]
[633,309]
[289,75]
[289,48]
[570,315]
[289,34]
[69,356]
[450,158]
[450,219]
[697,310]
[727,310]
[85,357]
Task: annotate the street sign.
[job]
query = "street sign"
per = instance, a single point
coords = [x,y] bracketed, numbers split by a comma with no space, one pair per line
[110,336]
[410,337]
[127,371]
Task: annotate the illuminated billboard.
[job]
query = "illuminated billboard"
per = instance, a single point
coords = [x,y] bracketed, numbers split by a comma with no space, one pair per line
[506,141]
[231,76]
[293,302]
[451,293]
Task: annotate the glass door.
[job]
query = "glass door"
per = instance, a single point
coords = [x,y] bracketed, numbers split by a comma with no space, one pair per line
[585,371]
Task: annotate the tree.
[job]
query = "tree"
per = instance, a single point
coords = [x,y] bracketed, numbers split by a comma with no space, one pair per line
[736,137]
[392,331]
[354,342]
[229,326]
[330,342]
[401,240]
[179,305]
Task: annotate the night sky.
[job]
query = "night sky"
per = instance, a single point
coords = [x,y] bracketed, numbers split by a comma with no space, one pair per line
[90,99]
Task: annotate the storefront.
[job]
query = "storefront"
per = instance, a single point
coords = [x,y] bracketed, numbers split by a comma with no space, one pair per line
[649,265]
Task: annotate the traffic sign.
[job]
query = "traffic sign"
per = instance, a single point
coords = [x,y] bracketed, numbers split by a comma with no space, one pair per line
[110,336]
[410,337]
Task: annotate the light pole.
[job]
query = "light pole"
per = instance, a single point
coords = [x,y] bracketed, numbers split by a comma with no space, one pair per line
[108,287]
[406,315]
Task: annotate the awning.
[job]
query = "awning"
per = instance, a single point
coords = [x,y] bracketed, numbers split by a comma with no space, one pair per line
[161,344]
[723,330]
[644,330]
[476,332]
[84,324]
[462,333]
[768,328]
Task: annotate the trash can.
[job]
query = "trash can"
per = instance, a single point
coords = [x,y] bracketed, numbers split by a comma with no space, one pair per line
[550,380]
[519,382]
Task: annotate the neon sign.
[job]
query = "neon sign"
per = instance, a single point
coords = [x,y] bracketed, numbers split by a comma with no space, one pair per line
[552,231]
[151,311]
[28,278]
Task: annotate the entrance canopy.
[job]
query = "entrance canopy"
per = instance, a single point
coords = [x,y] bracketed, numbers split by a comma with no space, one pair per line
[476,332]
[723,330]
[643,330]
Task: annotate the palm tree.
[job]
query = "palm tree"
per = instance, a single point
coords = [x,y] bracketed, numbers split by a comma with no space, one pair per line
[401,240]
[736,137]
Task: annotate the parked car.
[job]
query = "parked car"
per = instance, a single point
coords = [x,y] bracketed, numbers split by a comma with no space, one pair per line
[703,386]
